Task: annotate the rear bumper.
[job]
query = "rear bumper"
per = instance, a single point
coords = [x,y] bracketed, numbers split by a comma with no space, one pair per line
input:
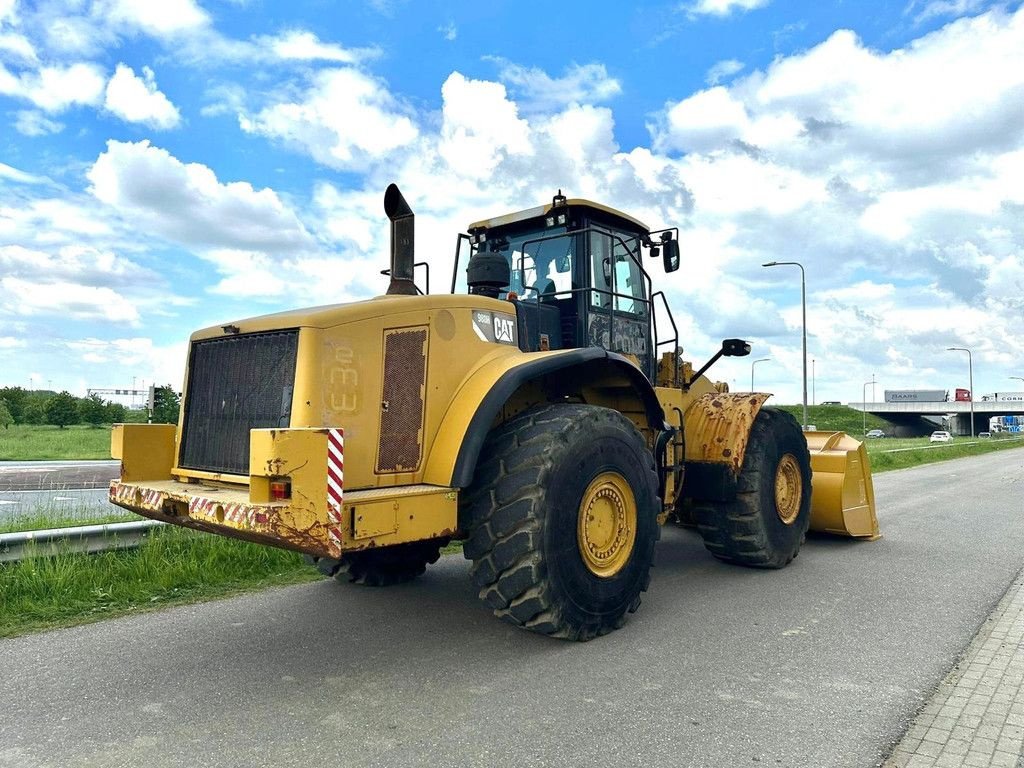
[321,517]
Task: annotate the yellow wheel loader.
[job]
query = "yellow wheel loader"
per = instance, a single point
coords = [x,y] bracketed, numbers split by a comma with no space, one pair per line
[541,412]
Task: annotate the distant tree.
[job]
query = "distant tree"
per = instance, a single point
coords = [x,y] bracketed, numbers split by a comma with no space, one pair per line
[61,409]
[5,414]
[16,399]
[92,410]
[165,405]
[33,413]
[114,413]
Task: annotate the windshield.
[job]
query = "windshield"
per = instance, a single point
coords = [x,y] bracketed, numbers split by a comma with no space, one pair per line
[541,261]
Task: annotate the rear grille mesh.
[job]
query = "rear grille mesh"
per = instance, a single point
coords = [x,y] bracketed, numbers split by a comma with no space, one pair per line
[401,419]
[235,383]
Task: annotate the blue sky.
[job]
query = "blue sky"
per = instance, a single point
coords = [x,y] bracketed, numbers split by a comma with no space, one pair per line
[167,166]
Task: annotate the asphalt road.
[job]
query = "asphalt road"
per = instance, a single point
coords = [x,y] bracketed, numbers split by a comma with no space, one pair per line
[56,475]
[820,664]
[60,489]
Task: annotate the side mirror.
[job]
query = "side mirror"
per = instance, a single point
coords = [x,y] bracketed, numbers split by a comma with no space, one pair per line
[563,264]
[735,348]
[606,268]
[670,255]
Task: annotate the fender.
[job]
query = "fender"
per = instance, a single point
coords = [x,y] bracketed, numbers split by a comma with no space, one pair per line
[713,462]
[481,398]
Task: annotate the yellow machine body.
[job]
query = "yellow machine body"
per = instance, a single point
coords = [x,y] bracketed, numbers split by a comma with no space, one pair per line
[410,384]
[390,402]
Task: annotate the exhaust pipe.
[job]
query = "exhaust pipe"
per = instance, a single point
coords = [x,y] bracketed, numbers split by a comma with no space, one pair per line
[402,245]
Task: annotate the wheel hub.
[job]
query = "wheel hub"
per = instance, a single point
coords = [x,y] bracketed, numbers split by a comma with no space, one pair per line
[788,489]
[607,524]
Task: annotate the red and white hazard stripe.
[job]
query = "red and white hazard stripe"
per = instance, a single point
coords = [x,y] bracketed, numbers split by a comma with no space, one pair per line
[335,481]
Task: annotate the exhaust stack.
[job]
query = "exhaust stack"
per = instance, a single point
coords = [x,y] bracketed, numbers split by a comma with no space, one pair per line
[402,242]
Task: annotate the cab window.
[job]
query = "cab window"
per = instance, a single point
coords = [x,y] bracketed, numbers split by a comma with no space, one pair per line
[616,251]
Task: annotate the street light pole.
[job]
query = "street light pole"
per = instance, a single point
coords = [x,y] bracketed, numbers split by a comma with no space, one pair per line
[1018,378]
[762,360]
[803,309]
[970,378]
[814,396]
[864,403]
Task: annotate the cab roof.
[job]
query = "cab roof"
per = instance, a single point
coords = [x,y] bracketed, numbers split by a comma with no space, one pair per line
[542,210]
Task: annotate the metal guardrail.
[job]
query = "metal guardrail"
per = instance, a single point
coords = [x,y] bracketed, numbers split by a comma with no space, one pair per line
[82,539]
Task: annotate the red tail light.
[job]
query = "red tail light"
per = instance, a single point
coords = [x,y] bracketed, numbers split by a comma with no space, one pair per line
[280,490]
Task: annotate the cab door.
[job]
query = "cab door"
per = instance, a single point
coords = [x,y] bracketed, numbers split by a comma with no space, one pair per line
[618,308]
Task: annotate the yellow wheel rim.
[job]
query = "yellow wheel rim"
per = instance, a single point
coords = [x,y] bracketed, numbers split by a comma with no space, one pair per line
[789,488]
[606,530]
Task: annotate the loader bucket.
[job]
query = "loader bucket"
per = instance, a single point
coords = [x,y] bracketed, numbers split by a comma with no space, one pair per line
[842,493]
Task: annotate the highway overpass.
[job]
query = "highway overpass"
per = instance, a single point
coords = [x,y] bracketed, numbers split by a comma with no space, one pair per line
[913,419]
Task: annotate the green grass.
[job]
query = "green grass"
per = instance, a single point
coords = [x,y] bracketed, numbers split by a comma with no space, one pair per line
[891,453]
[836,418]
[42,518]
[173,566]
[30,442]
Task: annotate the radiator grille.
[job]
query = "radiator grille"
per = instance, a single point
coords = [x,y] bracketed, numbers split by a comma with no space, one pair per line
[235,383]
[401,419]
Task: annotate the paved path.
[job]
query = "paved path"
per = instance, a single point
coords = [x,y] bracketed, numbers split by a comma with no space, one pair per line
[976,717]
[824,663]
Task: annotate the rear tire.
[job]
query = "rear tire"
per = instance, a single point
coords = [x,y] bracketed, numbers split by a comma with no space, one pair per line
[385,566]
[767,522]
[562,518]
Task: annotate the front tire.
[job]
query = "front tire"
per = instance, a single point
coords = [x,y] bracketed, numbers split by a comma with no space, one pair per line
[767,522]
[563,520]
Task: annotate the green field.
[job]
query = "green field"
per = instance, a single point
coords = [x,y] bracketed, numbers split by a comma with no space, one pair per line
[31,442]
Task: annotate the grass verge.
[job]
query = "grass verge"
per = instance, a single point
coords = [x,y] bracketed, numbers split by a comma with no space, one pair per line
[173,566]
[887,454]
[31,442]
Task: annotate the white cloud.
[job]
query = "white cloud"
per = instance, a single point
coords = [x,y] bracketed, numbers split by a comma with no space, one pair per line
[947,8]
[113,360]
[187,203]
[8,11]
[166,18]
[30,122]
[449,31]
[55,88]
[479,127]
[301,45]
[7,172]
[17,47]
[61,299]
[724,7]
[344,120]
[137,99]
[722,70]
[535,90]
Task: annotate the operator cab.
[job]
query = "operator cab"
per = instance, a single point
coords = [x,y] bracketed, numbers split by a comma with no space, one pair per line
[574,271]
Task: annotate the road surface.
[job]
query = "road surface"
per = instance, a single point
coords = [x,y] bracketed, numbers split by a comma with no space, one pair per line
[820,664]
[59,489]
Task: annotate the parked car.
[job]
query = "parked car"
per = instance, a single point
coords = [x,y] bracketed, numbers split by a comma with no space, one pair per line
[875,433]
[940,437]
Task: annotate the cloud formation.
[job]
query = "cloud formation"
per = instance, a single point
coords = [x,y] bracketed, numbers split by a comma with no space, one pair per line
[137,99]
